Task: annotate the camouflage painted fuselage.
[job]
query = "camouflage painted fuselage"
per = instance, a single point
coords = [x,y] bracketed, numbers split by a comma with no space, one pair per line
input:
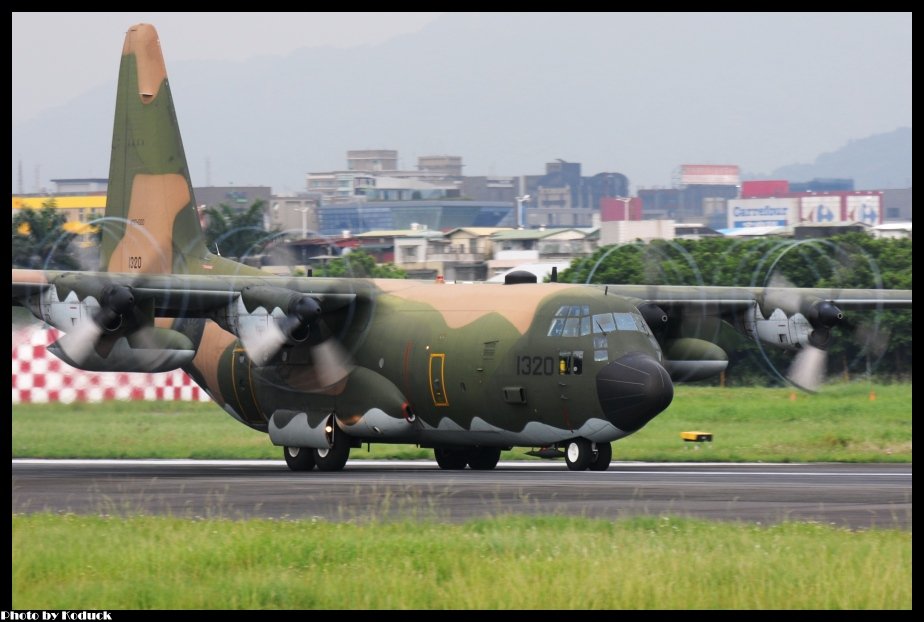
[458,364]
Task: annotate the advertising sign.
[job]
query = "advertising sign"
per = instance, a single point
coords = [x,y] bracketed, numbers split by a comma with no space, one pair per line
[762,212]
[821,210]
[865,208]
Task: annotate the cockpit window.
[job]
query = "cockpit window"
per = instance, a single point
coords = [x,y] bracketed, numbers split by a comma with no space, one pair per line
[641,324]
[585,325]
[571,321]
[608,322]
[576,320]
[624,321]
[558,324]
[604,323]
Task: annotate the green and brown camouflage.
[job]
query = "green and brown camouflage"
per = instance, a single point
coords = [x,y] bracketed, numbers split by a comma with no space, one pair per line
[149,176]
[323,365]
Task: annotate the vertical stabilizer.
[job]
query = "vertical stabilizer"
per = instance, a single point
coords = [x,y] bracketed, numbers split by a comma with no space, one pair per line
[152,225]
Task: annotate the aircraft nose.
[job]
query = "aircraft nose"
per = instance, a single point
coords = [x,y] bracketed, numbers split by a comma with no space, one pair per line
[633,389]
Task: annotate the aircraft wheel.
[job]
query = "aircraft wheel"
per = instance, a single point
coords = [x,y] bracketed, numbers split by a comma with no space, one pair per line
[579,454]
[601,461]
[334,458]
[299,458]
[453,459]
[484,458]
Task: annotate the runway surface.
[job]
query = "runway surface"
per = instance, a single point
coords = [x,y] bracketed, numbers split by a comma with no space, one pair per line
[854,495]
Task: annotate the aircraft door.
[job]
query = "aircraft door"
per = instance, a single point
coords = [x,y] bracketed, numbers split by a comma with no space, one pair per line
[438,379]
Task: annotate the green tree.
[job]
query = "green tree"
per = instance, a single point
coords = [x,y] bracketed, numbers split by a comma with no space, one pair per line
[234,232]
[40,241]
[360,264]
[880,341]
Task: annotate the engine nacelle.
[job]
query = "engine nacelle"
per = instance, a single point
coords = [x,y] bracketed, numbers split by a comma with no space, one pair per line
[782,331]
[270,314]
[107,306]
[146,350]
[688,359]
[794,321]
[105,331]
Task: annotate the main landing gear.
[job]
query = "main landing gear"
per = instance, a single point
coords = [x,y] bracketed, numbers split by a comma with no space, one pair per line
[333,458]
[478,458]
[582,454]
[299,458]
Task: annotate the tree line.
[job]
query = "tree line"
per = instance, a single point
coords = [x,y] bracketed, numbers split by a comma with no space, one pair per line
[877,342]
[41,241]
[868,342]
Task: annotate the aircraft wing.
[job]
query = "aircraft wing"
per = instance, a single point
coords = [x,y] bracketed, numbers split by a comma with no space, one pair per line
[188,296]
[110,318]
[799,319]
[724,300]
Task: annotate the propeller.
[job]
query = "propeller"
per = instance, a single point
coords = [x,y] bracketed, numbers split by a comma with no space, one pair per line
[115,302]
[809,366]
[296,319]
[264,341]
[827,264]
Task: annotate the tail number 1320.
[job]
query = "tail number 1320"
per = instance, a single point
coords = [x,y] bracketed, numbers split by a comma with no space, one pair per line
[535,365]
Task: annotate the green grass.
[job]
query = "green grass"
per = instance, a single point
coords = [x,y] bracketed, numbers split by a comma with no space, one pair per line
[77,562]
[839,424]
[749,424]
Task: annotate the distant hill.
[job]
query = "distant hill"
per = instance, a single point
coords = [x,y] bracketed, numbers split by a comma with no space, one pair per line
[874,162]
[635,93]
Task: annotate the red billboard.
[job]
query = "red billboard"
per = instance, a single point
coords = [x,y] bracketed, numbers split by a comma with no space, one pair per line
[612,208]
[764,188]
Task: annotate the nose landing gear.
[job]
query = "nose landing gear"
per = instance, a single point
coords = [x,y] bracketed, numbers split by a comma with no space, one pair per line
[582,454]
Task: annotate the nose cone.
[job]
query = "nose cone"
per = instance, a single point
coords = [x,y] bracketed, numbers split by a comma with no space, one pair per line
[633,389]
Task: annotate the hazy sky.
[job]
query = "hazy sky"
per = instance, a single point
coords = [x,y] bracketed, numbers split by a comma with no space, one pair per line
[638,93]
[59,55]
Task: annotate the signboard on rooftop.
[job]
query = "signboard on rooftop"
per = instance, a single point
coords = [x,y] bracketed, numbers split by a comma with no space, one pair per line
[710,174]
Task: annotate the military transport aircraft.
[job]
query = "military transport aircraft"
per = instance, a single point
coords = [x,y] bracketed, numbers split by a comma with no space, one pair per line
[323,365]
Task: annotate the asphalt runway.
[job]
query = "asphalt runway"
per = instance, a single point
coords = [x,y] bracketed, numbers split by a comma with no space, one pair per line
[853,495]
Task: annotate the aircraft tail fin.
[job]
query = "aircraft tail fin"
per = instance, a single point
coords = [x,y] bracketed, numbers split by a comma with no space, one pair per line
[152,224]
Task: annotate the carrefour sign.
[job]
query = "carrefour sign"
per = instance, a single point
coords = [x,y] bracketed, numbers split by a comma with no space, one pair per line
[743,213]
[866,208]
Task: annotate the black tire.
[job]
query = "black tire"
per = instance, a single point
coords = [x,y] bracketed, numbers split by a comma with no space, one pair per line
[484,458]
[299,458]
[334,458]
[601,461]
[579,454]
[451,459]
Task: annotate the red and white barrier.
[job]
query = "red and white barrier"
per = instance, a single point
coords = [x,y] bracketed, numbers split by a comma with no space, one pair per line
[39,377]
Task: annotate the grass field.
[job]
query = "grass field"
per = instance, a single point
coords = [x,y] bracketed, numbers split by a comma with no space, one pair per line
[749,424]
[71,562]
